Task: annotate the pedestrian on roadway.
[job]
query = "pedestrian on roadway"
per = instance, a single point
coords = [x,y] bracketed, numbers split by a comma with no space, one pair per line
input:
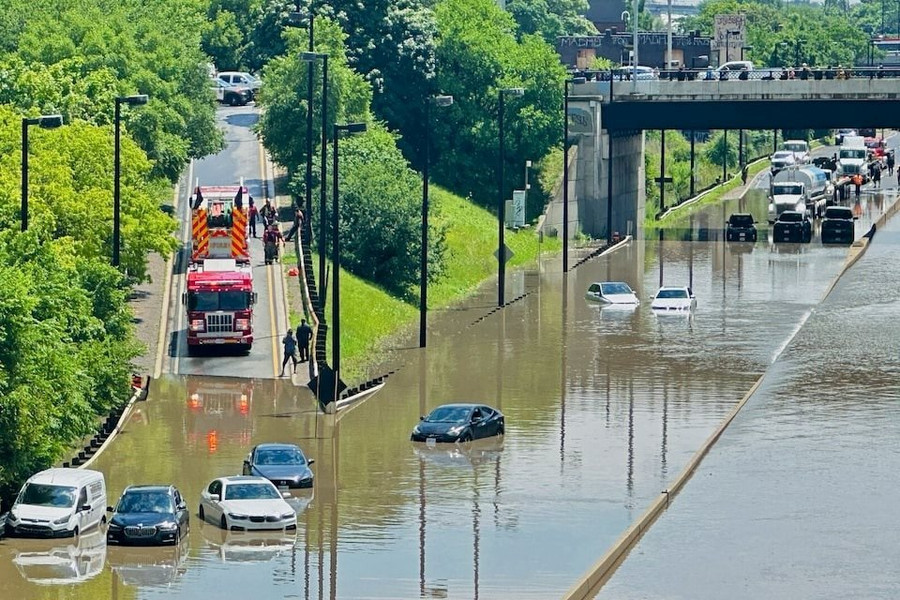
[876,176]
[744,173]
[253,214]
[297,228]
[857,183]
[304,335]
[267,212]
[890,162]
[290,349]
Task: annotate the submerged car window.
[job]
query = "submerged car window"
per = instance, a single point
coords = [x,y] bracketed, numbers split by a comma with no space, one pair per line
[616,288]
[145,502]
[280,456]
[672,294]
[38,494]
[449,414]
[251,491]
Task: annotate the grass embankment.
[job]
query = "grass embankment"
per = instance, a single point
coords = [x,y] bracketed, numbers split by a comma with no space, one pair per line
[371,318]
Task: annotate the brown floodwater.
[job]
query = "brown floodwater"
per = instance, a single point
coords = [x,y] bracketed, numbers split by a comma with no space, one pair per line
[603,407]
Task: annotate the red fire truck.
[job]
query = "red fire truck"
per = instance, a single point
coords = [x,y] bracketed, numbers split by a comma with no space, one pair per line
[219,222]
[219,301]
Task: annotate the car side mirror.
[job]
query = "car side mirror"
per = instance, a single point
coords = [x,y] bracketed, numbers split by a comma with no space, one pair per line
[310,461]
[85,508]
[184,298]
[254,298]
[181,506]
[109,509]
[422,417]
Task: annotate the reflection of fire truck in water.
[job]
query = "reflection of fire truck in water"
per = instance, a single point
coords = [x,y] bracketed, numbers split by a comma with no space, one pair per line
[219,301]
[218,412]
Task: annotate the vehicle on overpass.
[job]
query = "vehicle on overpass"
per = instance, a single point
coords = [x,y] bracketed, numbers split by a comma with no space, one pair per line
[838,226]
[459,423]
[740,228]
[612,292]
[792,226]
[673,299]
[219,228]
[219,302]
[842,133]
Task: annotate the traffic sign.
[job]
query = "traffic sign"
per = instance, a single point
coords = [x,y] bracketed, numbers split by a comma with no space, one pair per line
[507,251]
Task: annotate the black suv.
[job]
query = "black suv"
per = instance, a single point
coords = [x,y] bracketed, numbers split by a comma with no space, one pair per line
[792,226]
[741,228]
[838,226]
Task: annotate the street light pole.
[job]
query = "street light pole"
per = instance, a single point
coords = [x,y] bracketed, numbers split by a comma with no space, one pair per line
[44,122]
[131,101]
[309,128]
[501,207]
[565,216]
[423,263]
[351,128]
[310,57]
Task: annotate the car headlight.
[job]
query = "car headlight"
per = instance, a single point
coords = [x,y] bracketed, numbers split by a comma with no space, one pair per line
[61,521]
[167,526]
[114,526]
[12,516]
[237,516]
[456,430]
[288,515]
[416,430]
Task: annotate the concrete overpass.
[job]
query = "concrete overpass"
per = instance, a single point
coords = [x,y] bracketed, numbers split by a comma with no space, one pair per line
[607,119]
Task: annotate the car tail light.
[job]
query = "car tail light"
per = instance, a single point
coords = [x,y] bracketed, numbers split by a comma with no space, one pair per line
[198,325]
[241,324]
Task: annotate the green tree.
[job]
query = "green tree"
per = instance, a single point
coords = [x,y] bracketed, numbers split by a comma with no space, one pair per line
[551,19]
[720,149]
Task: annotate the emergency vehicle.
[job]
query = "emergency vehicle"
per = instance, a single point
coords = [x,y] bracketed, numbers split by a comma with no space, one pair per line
[219,222]
[219,302]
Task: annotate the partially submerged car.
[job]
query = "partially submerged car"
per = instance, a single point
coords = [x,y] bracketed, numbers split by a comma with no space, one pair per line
[459,423]
[612,292]
[673,299]
[740,228]
[792,226]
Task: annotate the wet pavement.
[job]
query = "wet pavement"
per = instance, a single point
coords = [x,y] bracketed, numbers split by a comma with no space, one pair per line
[601,413]
[797,499]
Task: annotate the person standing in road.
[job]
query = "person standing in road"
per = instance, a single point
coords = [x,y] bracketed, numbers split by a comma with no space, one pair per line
[876,175]
[297,228]
[890,162]
[253,215]
[857,183]
[290,349]
[304,335]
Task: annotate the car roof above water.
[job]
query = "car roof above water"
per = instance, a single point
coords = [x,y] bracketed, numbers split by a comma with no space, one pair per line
[68,477]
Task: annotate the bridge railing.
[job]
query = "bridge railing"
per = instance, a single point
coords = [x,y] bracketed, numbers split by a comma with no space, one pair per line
[776,81]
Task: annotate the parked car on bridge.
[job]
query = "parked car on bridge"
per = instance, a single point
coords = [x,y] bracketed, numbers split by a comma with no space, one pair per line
[838,226]
[734,68]
[459,423]
[612,292]
[243,503]
[842,133]
[641,73]
[285,465]
[781,160]
[792,226]
[149,515]
[673,299]
[741,228]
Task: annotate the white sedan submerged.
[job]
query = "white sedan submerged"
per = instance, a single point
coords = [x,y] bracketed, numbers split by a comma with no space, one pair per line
[612,292]
[674,299]
[244,503]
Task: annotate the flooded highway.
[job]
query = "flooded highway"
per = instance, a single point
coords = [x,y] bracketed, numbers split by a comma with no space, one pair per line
[797,499]
[602,407]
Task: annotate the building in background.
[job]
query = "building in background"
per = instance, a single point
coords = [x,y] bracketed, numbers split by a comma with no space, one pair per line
[691,50]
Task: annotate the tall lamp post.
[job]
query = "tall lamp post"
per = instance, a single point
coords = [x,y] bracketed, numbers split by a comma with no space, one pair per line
[501,207]
[310,57]
[44,122]
[565,218]
[350,128]
[135,100]
[309,128]
[423,265]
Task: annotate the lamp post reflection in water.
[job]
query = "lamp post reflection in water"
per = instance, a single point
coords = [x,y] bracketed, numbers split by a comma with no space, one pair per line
[661,235]
[562,375]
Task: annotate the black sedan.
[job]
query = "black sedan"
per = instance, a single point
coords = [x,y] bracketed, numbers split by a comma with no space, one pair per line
[838,226]
[792,226]
[459,423]
[740,228]
[285,465]
[148,515]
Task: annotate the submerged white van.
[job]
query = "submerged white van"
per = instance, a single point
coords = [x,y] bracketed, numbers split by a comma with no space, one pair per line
[58,503]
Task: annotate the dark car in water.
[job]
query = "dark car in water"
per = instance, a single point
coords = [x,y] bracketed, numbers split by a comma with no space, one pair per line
[459,423]
[838,226]
[285,465]
[740,228]
[792,226]
[149,515]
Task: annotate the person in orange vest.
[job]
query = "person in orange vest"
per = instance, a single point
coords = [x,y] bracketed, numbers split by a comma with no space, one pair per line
[857,183]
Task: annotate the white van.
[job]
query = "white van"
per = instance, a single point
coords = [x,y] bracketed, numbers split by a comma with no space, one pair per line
[58,503]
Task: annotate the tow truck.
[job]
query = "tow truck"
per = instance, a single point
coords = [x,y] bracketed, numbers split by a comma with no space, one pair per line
[219,302]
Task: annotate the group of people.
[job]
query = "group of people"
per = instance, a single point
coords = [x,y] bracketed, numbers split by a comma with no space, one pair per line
[294,344]
[267,214]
